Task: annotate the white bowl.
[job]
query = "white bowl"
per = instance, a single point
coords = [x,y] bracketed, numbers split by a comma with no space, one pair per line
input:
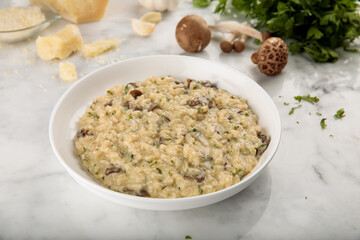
[64,119]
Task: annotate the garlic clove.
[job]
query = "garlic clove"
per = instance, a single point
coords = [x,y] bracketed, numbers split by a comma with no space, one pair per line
[152,17]
[159,5]
[142,28]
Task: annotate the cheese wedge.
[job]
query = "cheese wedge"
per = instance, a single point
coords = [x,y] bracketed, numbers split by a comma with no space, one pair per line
[99,47]
[59,45]
[78,11]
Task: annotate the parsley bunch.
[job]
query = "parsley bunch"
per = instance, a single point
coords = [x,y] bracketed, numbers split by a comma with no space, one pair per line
[317,27]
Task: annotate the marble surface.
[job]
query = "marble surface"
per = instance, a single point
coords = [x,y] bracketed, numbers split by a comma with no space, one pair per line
[310,190]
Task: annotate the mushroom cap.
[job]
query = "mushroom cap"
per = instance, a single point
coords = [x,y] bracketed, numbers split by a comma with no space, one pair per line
[226,46]
[272,56]
[265,35]
[192,33]
[238,46]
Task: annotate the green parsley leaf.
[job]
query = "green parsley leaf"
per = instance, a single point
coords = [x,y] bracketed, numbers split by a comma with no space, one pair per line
[307,98]
[126,89]
[340,113]
[322,123]
[293,109]
[188,237]
[201,3]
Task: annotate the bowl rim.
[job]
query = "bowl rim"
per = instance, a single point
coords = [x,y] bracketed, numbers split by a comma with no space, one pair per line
[254,174]
[48,20]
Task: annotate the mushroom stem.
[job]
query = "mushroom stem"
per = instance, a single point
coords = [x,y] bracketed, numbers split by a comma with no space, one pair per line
[233,36]
[227,45]
[232,26]
[239,45]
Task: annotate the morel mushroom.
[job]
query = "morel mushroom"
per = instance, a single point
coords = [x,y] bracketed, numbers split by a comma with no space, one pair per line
[272,56]
[192,33]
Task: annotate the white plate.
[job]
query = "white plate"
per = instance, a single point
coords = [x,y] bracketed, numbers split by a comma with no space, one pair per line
[64,119]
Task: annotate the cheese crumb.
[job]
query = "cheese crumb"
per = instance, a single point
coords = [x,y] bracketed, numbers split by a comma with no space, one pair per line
[60,45]
[67,71]
[99,47]
[19,18]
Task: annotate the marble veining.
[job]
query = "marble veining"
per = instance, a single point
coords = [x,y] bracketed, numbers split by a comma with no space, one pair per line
[310,190]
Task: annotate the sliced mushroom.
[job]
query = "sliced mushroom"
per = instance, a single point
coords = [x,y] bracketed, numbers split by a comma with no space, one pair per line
[137,108]
[132,84]
[109,103]
[153,106]
[165,118]
[142,193]
[265,143]
[83,133]
[127,104]
[135,93]
[113,169]
[193,103]
[198,177]
[188,81]
[207,84]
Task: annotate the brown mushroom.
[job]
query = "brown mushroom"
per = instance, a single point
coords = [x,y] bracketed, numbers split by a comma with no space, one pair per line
[273,53]
[272,56]
[84,132]
[135,93]
[113,169]
[227,45]
[239,45]
[142,193]
[192,33]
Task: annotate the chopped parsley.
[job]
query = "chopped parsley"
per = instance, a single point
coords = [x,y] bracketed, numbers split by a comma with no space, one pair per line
[200,190]
[159,170]
[293,109]
[188,237]
[91,114]
[322,123]
[127,89]
[307,98]
[340,113]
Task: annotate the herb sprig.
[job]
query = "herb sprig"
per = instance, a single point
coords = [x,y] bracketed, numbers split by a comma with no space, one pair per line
[317,27]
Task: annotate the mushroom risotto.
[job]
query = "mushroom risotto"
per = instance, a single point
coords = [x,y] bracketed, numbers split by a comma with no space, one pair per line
[166,138]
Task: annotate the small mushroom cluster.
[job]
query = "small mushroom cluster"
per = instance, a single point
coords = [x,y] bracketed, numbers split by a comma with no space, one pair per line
[193,34]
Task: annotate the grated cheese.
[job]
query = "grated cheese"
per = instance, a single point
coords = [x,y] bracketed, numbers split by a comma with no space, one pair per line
[19,18]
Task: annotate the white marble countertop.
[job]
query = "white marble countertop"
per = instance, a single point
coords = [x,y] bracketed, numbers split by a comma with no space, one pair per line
[310,190]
